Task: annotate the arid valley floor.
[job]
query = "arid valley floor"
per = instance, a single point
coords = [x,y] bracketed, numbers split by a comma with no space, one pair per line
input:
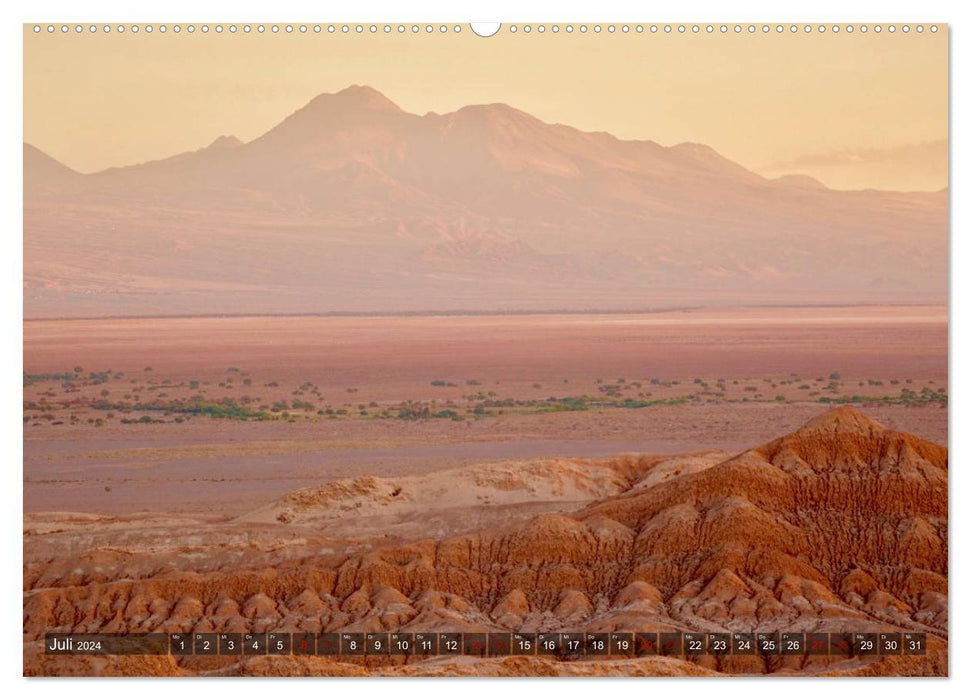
[697,470]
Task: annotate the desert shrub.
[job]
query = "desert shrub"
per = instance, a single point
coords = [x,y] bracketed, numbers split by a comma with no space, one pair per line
[35,378]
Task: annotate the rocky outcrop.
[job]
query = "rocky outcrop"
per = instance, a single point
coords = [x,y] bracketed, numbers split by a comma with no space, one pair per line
[841,525]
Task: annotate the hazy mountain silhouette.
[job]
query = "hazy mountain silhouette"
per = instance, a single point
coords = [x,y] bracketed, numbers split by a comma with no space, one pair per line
[351,204]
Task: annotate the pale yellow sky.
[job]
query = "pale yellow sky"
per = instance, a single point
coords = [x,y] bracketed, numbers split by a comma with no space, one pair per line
[860,110]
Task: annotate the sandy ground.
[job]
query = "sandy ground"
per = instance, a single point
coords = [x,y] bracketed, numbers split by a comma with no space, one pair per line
[229,467]
[394,355]
[745,357]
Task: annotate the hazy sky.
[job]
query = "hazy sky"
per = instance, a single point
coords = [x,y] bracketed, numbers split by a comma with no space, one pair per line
[860,110]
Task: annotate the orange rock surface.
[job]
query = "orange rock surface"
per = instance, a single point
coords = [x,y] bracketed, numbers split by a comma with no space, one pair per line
[839,526]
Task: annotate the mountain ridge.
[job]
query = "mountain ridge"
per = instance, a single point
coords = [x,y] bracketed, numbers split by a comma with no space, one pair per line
[364,97]
[352,204]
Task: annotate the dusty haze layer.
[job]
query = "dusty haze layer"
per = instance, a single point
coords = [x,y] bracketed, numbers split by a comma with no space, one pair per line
[354,205]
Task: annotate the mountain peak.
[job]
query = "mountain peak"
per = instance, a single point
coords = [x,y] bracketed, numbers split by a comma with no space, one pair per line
[843,419]
[42,172]
[845,440]
[493,111]
[800,181]
[33,156]
[356,97]
[225,141]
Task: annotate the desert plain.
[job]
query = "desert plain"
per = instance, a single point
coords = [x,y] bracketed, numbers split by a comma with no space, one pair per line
[700,469]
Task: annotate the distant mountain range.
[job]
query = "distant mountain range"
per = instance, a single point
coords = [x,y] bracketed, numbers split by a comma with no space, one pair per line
[353,205]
